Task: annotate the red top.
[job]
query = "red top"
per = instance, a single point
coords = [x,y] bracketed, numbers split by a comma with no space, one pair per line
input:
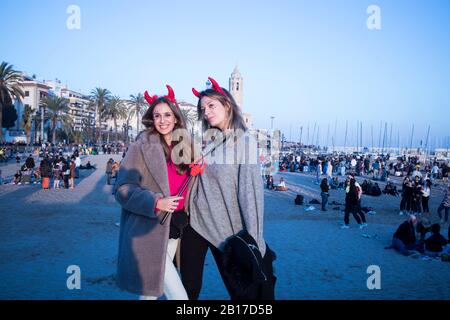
[176,181]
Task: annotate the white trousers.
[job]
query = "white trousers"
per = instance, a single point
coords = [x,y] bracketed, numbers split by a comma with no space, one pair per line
[173,287]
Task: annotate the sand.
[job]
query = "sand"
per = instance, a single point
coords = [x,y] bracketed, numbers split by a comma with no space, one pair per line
[43,232]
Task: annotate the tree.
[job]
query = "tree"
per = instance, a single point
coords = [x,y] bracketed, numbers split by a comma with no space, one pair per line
[27,121]
[57,109]
[100,98]
[137,109]
[190,117]
[115,109]
[10,88]
[9,116]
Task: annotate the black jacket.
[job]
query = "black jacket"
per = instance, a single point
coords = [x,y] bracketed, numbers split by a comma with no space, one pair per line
[435,243]
[406,233]
[30,163]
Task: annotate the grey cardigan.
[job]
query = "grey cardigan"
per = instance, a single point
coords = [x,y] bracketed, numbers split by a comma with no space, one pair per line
[141,180]
[227,198]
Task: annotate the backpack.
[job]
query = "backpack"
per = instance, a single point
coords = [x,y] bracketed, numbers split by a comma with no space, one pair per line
[299,200]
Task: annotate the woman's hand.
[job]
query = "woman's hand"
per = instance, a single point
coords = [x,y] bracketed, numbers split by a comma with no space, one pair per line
[168,204]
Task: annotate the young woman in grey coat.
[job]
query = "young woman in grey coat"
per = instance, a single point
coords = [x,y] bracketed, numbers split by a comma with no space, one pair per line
[228,197]
[146,184]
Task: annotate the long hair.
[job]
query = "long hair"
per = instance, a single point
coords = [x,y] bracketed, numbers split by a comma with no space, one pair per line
[324,183]
[148,122]
[235,119]
[352,189]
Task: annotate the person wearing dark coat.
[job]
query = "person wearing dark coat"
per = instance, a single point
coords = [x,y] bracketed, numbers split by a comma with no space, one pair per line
[436,242]
[325,188]
[404,239]
[29,163]
[351,204]
[45,168]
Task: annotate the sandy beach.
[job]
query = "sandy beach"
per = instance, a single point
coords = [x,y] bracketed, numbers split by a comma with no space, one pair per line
[43,232]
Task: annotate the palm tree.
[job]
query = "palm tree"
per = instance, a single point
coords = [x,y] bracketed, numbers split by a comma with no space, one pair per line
[10,88]
[138,105]
[190,116]
[66,122]
[100,98]
[27,122]
[115,109]
[57,109]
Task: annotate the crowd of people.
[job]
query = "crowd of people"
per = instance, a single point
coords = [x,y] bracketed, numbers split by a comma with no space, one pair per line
[375,167]
[63,171]
[17,151]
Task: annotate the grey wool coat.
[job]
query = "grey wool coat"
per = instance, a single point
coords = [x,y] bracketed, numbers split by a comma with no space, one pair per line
[141,181]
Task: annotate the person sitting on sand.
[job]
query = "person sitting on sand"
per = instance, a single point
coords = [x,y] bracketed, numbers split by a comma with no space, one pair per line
[17,177]
[436,242]
[391,189]
[282,185]
[404,239]
[88,166]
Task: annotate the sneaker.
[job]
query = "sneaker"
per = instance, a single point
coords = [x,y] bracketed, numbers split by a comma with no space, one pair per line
[364,225]
[345,227]
[400,213]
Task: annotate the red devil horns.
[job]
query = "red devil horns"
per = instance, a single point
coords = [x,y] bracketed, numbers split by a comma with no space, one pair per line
[170,96]
[149,98]
[216,87]
[196,93]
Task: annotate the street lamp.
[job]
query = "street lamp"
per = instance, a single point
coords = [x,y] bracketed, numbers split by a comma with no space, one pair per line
[271,122]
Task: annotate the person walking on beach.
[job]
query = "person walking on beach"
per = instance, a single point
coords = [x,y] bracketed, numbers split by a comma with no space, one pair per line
[148,180]
[226,200]
[325,189]
[351,204]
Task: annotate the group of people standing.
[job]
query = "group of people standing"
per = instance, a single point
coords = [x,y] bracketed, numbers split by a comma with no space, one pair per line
[205,210]
[63,170]
[415,195]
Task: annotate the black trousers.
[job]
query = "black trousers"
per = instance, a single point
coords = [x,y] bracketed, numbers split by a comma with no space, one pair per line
[353,209]
[425,207]
[193,249]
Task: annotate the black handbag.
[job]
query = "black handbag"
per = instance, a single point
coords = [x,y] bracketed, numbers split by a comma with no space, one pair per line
[178,222]
[249,275]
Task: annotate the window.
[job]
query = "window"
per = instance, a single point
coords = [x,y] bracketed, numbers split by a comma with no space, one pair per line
[27,93]
[237,86]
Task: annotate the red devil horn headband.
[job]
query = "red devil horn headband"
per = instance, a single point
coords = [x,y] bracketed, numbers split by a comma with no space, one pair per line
[170,96]
[215,86]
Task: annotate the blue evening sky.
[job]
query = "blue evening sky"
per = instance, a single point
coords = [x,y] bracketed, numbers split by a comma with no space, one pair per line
[302,61]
